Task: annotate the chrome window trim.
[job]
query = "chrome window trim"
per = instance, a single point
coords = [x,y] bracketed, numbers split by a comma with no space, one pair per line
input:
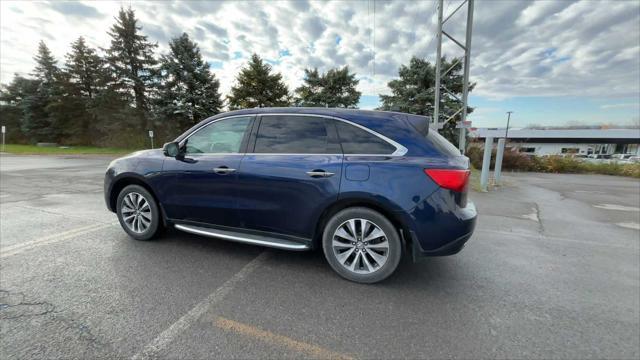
[318,154]
[216,154]
[400,150]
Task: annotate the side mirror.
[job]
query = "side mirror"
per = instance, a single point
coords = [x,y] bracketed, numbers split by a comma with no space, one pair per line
[171,149]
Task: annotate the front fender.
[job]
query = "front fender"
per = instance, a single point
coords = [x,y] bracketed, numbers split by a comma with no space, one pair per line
[139,168]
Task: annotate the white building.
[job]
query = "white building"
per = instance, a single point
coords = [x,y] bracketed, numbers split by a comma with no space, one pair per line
[568,141]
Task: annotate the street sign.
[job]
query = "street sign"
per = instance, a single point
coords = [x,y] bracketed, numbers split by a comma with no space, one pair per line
[4,129]
[150,133]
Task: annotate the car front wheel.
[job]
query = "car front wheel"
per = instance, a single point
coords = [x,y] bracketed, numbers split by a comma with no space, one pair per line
[361,245]
[138,213]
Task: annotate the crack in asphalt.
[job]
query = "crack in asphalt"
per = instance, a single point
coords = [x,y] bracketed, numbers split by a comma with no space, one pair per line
[541,230]
[13,306]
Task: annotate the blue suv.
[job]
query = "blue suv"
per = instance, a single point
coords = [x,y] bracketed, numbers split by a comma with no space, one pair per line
[365,186]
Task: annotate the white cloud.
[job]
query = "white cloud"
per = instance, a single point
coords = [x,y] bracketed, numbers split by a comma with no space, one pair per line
[620,106]
[538,48]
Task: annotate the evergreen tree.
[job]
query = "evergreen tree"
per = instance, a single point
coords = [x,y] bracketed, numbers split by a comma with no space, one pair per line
[37,122]
[130,58]
[256,86]
[12,105]
[84,77]
[46,69]
[77,85]
[414,92]
[189,91]
[336,88]
[311,92]
[85,68]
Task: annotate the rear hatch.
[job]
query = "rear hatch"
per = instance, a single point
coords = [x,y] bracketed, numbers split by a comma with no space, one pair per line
[455,176]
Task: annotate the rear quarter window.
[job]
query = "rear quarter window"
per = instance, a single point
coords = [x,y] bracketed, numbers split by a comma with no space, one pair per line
[358,141]
[441,144]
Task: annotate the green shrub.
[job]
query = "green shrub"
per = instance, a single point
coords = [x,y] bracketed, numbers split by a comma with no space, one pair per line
[515,161]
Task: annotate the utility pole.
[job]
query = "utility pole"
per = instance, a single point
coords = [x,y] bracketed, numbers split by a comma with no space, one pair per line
[506,133]
[439,74]
[436,101]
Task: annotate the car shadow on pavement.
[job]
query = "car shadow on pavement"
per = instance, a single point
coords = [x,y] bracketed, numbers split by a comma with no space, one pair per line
[173,243]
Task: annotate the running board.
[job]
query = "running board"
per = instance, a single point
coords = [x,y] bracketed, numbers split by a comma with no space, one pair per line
[243,238]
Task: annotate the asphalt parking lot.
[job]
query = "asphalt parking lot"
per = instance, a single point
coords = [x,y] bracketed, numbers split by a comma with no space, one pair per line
[553,271]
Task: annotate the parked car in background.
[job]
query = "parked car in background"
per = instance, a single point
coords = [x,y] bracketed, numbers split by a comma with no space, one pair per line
[631,160]
[366,187]
[621,157]
[599,158]
[578,157]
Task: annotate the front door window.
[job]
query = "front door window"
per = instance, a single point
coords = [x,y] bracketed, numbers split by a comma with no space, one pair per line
[220,137]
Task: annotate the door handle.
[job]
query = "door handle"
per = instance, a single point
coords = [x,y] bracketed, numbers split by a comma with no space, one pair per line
[223,170]
[319,173]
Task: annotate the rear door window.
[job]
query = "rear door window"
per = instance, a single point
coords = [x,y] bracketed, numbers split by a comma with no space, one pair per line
[290,134]
[359,141]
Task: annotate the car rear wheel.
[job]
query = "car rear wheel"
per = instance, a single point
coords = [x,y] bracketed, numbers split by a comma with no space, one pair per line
[138,213]
[361,245]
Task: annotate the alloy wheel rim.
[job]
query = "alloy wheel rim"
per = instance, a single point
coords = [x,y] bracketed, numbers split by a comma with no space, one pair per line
[136,212]
[360,246]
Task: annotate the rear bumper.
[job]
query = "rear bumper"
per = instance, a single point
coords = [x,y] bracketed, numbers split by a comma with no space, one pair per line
[439,227]
[450,248]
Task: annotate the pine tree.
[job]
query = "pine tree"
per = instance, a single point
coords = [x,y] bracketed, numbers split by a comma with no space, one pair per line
[79,84]
[256,86]
[130,58]
[37,122]
[189,91]
[12,97]
[46,69]
[336,88]
[311,93]
[85,68]
[414,92]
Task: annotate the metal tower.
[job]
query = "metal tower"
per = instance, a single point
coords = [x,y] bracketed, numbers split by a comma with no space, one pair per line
[467,54]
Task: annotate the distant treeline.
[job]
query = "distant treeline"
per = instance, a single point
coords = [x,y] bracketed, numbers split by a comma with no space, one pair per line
[113,96]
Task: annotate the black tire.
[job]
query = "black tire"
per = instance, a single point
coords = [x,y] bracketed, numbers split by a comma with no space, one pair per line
[154,226]
[393,251]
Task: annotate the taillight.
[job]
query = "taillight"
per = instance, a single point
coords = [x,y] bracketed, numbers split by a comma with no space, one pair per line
[455,180]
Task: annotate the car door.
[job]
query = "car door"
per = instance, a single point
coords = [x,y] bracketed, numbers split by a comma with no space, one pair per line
[201,185]
[290,173]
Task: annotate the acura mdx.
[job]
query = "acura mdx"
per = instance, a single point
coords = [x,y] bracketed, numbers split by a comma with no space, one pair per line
[366,187]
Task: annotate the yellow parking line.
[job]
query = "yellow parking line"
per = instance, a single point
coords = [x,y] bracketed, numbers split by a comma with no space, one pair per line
[275,339]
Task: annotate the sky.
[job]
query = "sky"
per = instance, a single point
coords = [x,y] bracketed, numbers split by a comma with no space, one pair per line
[550,62]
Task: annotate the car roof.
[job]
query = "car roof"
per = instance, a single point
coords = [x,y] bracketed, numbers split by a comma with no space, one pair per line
[381,121]
[356,115]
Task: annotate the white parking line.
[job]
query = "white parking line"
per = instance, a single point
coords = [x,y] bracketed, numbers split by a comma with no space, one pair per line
[629,225]
[50,239]
[616,207]
[172,332]
[520,235]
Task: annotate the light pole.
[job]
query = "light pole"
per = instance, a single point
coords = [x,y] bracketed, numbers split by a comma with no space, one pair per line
[506,133]
[497,172]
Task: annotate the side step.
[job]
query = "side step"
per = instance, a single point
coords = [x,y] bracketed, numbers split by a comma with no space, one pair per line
[243,238]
